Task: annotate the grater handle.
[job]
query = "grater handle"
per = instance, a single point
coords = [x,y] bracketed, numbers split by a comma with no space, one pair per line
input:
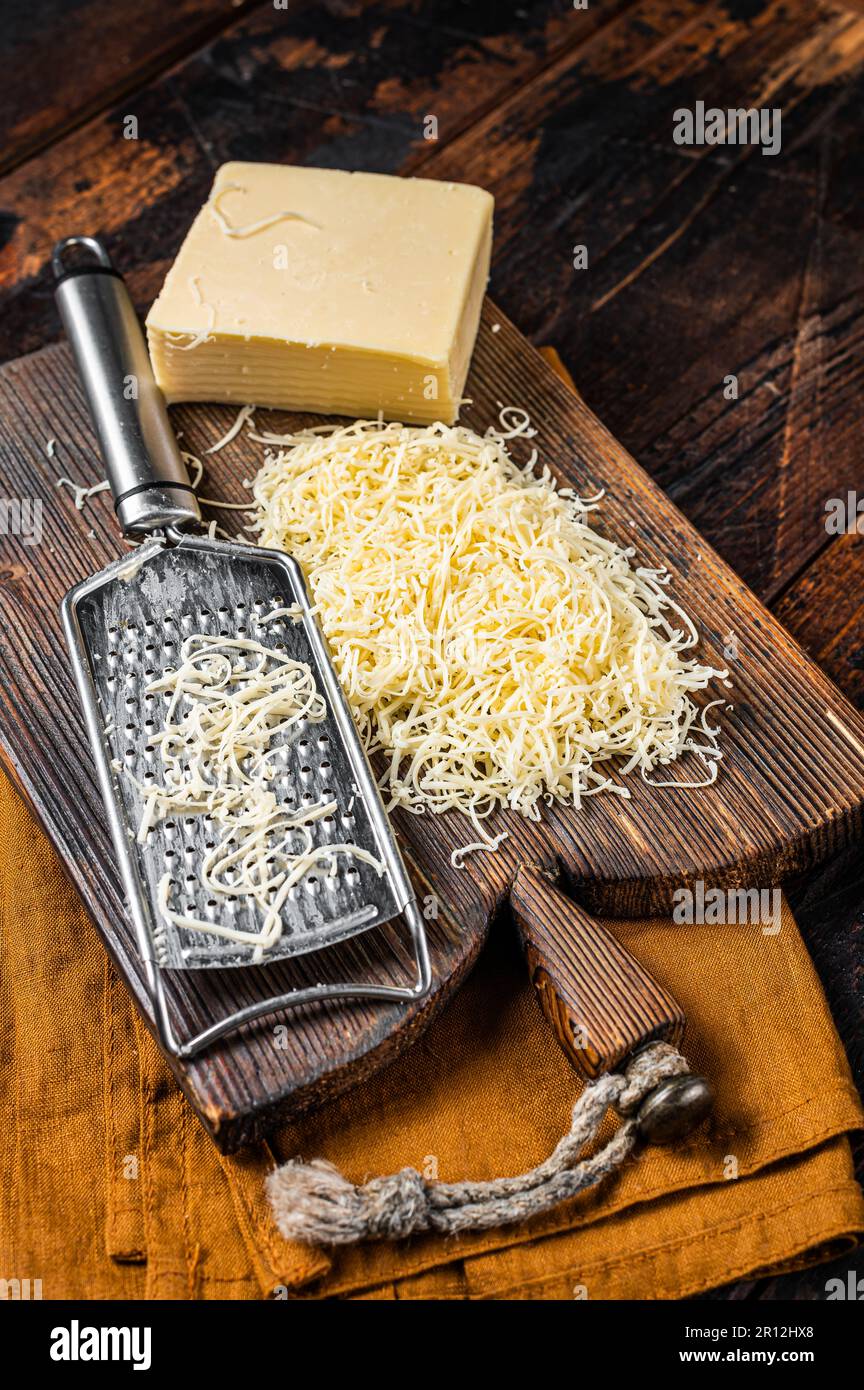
[146,471]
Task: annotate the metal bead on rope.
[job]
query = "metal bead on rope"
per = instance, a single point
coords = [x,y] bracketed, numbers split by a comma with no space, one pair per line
[656,1094]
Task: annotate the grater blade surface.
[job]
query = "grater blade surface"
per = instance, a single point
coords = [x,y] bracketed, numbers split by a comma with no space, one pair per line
[128,624]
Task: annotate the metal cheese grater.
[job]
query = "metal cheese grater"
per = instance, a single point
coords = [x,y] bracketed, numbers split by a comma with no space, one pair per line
[125,627]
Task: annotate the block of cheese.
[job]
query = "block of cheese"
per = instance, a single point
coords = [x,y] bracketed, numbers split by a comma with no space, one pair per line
[318,290]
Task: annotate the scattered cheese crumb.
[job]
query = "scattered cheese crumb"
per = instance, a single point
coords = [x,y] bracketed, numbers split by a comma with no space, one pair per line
[82,493]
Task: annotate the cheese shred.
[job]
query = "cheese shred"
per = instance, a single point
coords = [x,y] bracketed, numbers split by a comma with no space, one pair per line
[250,228]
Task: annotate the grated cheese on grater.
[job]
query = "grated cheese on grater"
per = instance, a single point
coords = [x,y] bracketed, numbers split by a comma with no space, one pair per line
[496,647]
[229,699]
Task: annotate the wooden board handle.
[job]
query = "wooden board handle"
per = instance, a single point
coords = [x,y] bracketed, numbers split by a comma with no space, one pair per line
[602,1004]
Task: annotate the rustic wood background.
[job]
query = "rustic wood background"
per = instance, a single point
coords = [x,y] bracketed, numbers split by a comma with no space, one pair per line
[702,261]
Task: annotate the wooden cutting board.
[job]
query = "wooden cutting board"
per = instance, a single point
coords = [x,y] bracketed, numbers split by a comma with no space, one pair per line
[790,789]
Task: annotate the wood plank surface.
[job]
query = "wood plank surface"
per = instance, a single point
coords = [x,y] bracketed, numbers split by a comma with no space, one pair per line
[791,787]
[63,61]
[824,610]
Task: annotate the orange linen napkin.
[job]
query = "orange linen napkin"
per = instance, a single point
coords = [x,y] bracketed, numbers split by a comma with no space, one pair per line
[111,1189]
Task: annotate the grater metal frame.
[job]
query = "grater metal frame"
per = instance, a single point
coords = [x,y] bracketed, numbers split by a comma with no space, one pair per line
[140,905]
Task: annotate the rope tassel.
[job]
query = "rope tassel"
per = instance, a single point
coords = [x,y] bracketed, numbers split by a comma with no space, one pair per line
[315,1204]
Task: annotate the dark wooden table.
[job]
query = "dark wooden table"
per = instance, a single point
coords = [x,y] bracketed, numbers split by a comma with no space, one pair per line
[703,262]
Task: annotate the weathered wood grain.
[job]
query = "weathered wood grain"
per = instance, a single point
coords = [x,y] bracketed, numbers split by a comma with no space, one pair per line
[63,62]
[791,788]
[824,611]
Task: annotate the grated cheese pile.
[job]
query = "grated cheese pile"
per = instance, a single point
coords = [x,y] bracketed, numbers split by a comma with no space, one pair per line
[494,645]
[229,699]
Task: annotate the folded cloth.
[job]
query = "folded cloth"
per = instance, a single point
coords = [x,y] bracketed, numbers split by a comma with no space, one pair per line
[111,1188]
